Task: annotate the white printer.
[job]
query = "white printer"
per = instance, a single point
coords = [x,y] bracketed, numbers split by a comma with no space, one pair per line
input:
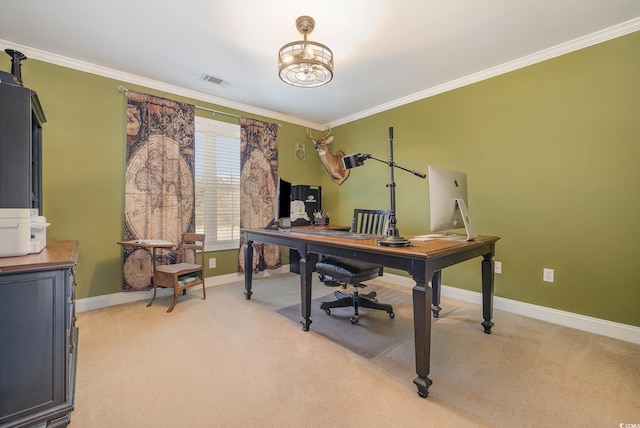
[22,231]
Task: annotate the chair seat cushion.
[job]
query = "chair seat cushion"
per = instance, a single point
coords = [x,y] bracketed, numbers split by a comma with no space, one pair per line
[178,267]
[339,267]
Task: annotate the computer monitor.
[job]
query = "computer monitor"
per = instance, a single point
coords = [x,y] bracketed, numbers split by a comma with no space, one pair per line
[448,202]
[282,212]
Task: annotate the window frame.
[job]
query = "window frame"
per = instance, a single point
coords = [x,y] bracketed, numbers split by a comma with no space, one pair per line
[228,131]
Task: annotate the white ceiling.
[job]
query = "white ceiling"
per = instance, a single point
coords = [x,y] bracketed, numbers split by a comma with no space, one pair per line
[387,52]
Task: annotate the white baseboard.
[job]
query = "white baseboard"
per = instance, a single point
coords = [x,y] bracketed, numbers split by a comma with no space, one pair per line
[599,326]
[106,300]
[612,329]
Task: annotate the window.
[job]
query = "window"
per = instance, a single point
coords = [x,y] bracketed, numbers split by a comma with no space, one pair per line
[218,183]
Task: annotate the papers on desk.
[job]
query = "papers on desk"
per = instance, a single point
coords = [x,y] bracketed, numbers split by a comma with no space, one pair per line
[152,242]
[428,237]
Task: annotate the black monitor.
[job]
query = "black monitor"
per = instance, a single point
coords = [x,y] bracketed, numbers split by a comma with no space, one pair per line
[282,212]
[448,202]
[283,199]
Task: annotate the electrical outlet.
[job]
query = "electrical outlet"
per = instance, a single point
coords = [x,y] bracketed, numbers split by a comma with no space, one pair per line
[497,267]
[212,263]
[547,275]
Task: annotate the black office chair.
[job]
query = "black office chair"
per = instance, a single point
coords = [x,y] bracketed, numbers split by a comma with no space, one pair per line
[334,271]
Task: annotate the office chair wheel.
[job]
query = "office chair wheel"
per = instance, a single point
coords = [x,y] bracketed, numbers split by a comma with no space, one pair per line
[327,311]
[354,319]
[392,315]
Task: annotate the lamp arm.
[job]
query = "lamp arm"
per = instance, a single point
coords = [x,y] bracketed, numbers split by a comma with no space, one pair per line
[394,165]
[392,237]
[414,172]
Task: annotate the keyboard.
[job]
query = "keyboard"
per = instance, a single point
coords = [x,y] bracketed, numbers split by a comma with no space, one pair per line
[339,234]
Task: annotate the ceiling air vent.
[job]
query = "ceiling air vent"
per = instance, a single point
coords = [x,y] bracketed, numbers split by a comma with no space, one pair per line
[214,80]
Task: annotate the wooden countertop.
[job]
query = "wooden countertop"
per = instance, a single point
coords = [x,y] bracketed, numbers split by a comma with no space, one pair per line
[57,254]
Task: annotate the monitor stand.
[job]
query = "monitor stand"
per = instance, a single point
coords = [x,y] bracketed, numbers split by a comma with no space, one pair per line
[273,225]
[468,225]
[282,223]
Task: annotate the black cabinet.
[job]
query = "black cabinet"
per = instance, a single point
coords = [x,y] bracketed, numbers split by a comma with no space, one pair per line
[312,198]
[21,119]
[39,337]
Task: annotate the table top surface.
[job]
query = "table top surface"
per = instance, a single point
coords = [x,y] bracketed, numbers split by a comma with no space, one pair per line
[148,243]
[418,248]
[57,254]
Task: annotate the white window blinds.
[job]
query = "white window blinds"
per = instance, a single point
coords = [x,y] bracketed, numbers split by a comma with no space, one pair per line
[218,183]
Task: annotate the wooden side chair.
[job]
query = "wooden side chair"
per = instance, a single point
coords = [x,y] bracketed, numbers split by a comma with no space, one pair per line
[185,273]
[340,271]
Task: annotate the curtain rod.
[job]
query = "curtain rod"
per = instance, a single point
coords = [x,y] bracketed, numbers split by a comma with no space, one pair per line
[123,89]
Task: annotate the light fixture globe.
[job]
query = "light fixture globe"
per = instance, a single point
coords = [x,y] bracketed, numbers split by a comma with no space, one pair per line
[304,63]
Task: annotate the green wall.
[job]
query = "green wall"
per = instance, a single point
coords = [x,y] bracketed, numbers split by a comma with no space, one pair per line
[84,161]
[551,151]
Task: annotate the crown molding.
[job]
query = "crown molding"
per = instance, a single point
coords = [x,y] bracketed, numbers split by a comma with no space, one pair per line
[613,32]
[619,30]
[124,77]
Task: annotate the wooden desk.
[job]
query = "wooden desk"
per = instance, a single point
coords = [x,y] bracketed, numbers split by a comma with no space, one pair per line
[294,257]
[422,261]
[144,251]
[148,243]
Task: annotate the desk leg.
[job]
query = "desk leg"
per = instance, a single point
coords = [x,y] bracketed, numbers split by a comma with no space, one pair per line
[436,281]
[422,332]
[248,269]
[487,292]
[307,262]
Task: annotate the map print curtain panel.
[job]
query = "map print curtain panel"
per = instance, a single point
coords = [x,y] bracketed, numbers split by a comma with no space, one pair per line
[159,182]
[258,178]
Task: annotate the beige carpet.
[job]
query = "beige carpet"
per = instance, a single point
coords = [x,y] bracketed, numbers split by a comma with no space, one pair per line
[375,332]
[228,362]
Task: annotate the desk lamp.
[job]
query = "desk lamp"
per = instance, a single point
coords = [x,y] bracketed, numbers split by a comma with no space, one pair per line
[392,238]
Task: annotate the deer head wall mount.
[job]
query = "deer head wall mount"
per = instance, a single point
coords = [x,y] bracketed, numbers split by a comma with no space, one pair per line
[332,162]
